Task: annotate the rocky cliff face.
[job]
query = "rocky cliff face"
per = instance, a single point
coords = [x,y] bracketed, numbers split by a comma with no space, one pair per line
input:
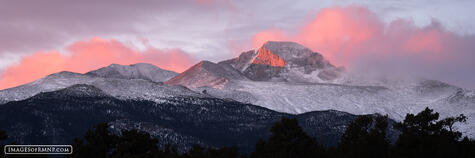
[285,61]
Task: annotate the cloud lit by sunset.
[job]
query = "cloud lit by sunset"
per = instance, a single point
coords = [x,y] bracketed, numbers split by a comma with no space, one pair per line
[357,38]
[344,34]
[87,55]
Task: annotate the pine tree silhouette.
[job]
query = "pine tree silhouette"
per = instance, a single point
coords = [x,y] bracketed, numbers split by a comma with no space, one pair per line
[97,143]
[135,144]
[365,137]
[288,140]
[424,136]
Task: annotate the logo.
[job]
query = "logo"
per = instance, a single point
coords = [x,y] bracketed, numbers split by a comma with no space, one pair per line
[38,149]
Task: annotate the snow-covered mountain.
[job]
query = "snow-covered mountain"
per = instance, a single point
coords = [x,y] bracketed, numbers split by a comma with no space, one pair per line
[285,61]
[281,76]
[207,73]
[274,61]
[136,71]
[126,82]
[287,77]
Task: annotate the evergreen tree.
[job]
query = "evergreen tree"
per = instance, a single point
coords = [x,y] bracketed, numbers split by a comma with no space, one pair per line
[196,151]
[424,136]
[378,144]
[97,143]
[135,144]
[170,152]
[288,140]
[365,137]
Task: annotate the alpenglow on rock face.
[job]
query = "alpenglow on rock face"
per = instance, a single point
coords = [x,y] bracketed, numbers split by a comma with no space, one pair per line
[285,61]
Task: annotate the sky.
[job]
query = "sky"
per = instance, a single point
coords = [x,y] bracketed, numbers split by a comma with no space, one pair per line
[434,39]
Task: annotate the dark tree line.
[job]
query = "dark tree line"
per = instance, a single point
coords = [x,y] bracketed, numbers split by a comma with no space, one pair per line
[422,135]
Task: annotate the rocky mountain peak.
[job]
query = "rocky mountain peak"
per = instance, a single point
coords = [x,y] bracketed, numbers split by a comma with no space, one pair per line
[206,73]
[285,61]
[297,55]
[136,71]
[205,64]
[273,61]
[276,45]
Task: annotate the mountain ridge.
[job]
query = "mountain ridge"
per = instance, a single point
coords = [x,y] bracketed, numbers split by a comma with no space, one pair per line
[276,61]
[59,116]
[134,71]
[133,87]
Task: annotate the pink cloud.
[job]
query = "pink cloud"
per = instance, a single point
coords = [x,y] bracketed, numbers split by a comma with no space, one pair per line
[356,38]
[268,35]
[83,56]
